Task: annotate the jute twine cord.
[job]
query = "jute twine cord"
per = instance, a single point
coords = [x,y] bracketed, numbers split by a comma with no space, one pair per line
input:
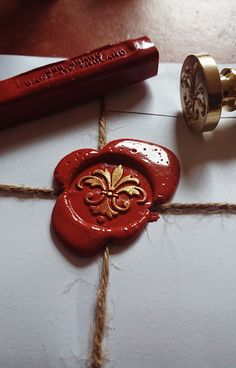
[167,208]
[97,355]
[97,358]
[28,191]
[196,208]
[102,138]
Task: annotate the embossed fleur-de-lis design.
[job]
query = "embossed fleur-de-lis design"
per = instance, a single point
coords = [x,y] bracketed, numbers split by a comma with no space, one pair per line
[194,99]
[111,185]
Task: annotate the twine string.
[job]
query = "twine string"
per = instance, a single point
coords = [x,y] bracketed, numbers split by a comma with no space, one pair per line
[97,355]
[28,191]
[102,125]
[207,208]
[167,208]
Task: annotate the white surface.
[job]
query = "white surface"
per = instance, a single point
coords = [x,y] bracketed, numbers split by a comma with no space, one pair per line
[172,293]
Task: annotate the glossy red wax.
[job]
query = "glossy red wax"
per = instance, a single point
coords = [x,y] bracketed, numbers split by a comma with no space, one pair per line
[56,86]
[107,195]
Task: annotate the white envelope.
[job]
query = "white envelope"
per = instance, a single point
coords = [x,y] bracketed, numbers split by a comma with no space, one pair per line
[172,292]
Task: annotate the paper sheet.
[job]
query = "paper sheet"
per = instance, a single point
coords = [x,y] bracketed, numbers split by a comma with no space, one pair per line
[172,293]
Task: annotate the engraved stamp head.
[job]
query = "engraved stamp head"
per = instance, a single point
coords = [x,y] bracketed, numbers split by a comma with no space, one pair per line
[204,91]
[200,92]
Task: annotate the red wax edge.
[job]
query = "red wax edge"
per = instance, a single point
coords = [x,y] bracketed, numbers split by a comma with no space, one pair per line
[56,86]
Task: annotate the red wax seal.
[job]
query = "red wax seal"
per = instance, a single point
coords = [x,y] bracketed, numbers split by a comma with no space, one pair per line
[108,194]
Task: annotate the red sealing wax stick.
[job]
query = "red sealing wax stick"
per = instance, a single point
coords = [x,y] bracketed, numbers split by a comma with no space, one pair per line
[56,86]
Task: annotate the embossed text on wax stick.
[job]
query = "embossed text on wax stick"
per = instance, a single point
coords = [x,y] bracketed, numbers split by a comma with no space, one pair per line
[97,58]
[70,66]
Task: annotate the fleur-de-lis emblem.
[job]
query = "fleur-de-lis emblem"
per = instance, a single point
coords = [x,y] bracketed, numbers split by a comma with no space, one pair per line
[111,186]
[194,99]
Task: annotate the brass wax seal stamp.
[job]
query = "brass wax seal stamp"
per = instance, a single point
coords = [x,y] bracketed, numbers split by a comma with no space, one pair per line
[204,91]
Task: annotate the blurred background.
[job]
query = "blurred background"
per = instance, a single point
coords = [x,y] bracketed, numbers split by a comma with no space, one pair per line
[72,27]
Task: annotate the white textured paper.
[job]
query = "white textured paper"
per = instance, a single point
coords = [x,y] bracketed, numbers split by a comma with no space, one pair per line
[172,293]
